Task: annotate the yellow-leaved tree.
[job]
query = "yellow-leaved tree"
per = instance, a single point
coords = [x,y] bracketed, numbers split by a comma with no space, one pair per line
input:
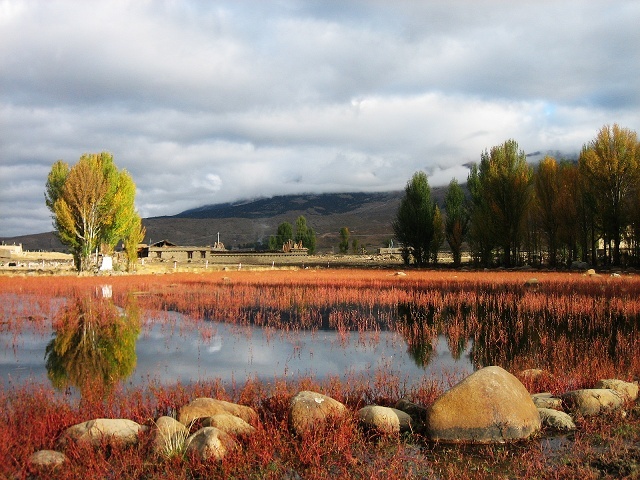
[93,206]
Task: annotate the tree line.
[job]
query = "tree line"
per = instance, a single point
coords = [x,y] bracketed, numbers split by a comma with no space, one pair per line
[553,213]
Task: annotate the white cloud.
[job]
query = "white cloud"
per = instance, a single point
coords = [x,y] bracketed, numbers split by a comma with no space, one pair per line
[213,102]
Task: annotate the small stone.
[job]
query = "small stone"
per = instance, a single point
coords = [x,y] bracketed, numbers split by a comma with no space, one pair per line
[384,419]
[207,407]
[417,412]
[310,409]
[117,430]
[626,389]
[170,436]
[47,458]
[546,400]
[210,443]
[592,401]
[229,424]
[555,419]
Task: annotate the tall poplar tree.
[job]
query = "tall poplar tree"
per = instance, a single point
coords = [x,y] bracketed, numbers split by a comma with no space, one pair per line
[505,187]
[547,202]
[457,220]
[92,205]
[610,166]
[413,226]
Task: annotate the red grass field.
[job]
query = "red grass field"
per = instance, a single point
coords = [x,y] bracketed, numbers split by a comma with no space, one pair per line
[577,328]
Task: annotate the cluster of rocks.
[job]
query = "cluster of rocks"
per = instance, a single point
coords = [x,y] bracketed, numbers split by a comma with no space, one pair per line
[489,406]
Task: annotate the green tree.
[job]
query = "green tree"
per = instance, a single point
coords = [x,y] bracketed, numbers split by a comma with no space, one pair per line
[505,187]
[547,202]
[610,166]
[457,220]
[92,205]
[413,225]
[283,235]
[481,235]
[438,234]
[344,240]
[305,234]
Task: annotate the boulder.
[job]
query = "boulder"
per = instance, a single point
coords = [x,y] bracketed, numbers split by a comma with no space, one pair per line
[210,443]
[556,420]
[95,432]
[489,406]
[592,401]
[47,458]
[546,400]
[627,389]
[417,412]
[229,424]
[169,436]
[384,419]
[207,407]
[310,409]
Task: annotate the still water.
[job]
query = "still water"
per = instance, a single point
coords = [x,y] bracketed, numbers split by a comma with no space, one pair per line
[170,348]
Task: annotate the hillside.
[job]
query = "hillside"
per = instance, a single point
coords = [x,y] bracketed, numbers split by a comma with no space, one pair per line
[240,224]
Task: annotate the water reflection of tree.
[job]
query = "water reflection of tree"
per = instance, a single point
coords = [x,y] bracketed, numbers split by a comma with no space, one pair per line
[419,330]
[94,345]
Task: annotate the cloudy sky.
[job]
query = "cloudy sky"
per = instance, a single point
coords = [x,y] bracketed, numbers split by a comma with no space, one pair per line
[210,102]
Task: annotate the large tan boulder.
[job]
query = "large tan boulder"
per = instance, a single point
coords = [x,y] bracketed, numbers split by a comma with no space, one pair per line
[592,401]
[384,419]
[627,389]
[229,424]
[169,436]
[95,432]
[311,409]
[207,407]
[210,443]
[491,405]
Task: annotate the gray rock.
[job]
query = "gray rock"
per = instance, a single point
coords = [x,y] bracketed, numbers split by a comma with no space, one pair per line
[592,401]
[384,419]
[418,412]
[627,389]
[576,265]
[47,458]
[489,406]
[310,409]
[546,400]
[556,419]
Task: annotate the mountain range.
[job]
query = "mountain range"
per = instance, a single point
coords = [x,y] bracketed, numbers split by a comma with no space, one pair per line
[246,223]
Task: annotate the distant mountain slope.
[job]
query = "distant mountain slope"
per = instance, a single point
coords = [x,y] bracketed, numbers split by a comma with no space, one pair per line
[320,204]
[240,224]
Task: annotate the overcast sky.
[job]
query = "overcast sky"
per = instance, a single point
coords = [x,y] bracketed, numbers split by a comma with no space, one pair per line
[210,102]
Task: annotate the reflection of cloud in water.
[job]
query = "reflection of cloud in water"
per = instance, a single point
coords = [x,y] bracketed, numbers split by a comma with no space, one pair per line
[174,348]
